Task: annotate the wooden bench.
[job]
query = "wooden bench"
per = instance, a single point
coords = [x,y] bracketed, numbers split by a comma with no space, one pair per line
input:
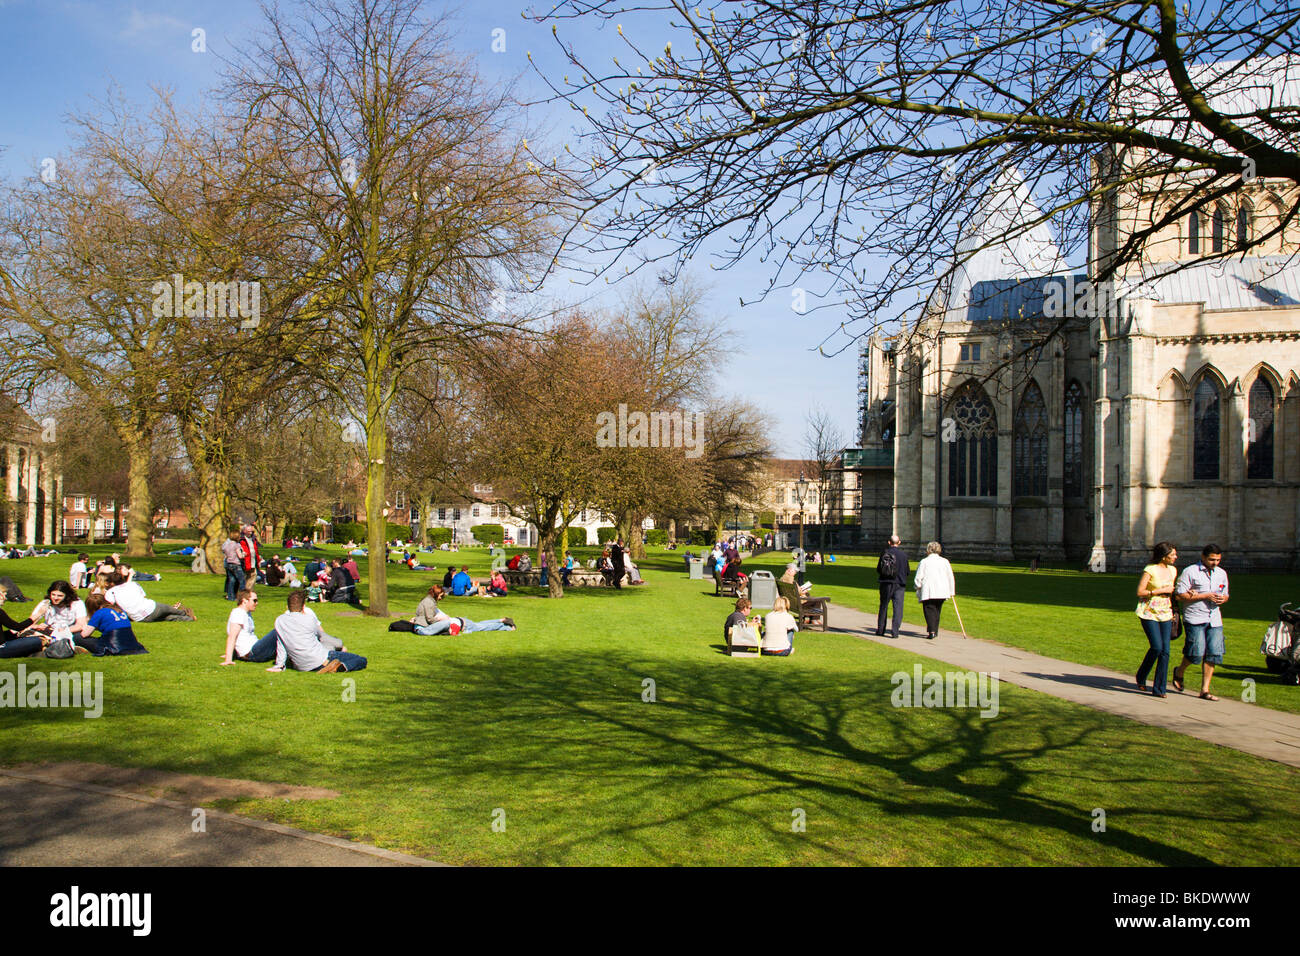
[728,587]
[806,611]
[578,578]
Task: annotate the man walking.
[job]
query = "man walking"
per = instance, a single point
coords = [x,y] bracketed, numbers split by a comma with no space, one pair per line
[892,571]
[1203,589]
[249,555]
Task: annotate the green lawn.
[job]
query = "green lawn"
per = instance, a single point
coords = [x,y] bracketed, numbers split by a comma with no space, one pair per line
[1077,616]
[548,725]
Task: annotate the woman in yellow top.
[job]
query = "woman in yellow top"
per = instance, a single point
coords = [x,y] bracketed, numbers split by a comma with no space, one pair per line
[1156,611]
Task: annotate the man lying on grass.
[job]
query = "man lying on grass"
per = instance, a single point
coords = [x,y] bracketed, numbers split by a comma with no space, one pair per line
[303,643]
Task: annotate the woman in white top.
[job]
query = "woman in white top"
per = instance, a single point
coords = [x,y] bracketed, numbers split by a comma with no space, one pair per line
[62,615]
[934,585]
[777,628]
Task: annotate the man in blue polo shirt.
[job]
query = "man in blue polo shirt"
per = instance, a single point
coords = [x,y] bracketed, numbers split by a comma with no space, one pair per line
[1203,589]
[462,584]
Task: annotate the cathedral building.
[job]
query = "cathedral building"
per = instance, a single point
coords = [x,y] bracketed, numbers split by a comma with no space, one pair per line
[1165,406]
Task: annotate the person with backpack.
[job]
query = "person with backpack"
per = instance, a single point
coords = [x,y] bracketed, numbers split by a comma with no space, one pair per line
[892,571]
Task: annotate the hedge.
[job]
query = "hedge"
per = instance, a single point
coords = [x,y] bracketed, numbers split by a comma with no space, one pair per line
[439,536]
[356,531]
[577,536]
[487,533]
[606,535]
[656,536]
[767,519]
[701,536]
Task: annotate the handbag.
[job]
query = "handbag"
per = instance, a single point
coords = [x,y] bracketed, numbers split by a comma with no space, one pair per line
[1176,626]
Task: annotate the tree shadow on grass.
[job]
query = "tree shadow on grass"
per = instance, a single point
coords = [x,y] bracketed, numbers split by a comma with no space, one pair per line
[732,738]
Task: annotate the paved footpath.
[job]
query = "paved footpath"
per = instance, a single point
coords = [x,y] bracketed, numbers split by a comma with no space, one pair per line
[51,822]
[1228,722]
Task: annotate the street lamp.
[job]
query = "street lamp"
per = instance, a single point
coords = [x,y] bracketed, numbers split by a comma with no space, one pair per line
[800,492]
[735,524]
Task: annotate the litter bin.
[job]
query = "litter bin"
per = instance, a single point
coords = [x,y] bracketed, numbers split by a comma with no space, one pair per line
[697,569]
[762,589]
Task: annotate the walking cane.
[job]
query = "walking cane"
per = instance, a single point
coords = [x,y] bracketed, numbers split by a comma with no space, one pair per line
[958,610]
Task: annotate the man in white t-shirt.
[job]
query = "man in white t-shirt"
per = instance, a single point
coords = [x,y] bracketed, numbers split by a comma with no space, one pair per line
[78,574]
[130,597]
[242,642]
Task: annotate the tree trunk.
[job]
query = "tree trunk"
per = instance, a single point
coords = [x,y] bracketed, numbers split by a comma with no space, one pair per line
[141,521]
[636,537]
[376,522]
[212,515]
[277,530]
[554,586]
[672,530]
[117,520]
[90,532]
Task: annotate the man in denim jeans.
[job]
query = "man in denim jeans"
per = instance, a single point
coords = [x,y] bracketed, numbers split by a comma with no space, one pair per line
[1203,589]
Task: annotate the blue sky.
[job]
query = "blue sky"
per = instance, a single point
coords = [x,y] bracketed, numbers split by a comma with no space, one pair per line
[59,57]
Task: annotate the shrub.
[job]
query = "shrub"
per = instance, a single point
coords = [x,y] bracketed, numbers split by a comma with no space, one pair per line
[606,535]
[345,531]
[656,536]
[439,536]
[487,533]
[767,519]
[577,536]
[701,536]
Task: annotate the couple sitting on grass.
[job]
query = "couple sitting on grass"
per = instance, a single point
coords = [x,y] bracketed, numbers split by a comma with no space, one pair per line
[297,638]
[776,627]
[430,620]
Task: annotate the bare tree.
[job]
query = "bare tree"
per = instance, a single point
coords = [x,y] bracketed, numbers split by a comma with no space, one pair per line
[411,189]
[852,146]
[823,444]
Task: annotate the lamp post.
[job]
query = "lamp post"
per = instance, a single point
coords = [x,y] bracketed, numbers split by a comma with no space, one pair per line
[800,491]
[735,524]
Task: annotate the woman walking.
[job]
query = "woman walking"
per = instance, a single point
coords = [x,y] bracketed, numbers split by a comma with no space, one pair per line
[1156,612]
[934,585]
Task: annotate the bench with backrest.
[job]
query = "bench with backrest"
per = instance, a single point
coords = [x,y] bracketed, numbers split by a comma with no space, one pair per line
[727,587]
[806,611]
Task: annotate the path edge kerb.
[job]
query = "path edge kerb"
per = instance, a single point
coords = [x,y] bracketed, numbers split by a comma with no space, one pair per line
[402,859]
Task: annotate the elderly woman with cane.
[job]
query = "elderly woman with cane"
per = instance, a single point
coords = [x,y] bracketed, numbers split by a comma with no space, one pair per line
[934,585]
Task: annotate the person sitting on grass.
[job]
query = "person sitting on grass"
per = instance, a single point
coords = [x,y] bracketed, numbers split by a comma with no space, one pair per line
[242,642]
[462,584]
[429,620]
[303,644]
[13,641]
[274,572]
[448,577]
[115,635]
[79,573]
[341,589]
[130,597]
[497,587]
[739,616]
[61,617]
[777,628]
[350,566]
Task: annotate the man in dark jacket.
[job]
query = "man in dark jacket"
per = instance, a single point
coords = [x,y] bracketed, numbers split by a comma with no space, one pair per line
[616,559]
[892,571]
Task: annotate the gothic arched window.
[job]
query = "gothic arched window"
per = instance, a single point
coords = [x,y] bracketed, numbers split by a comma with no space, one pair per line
[1205,430]
[1030,444]
[1074,441]
[1194,232]
[1243,227]
[973,451]
[1259,433]
[1218,230]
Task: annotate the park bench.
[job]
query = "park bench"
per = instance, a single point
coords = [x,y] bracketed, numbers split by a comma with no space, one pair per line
[727,587]
[806,610]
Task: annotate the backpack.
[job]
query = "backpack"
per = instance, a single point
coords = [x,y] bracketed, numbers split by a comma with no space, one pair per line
[405,626]
[888,566]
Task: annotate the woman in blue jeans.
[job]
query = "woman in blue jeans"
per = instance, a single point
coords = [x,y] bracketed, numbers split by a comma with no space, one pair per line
[1155,610]
[429,619]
